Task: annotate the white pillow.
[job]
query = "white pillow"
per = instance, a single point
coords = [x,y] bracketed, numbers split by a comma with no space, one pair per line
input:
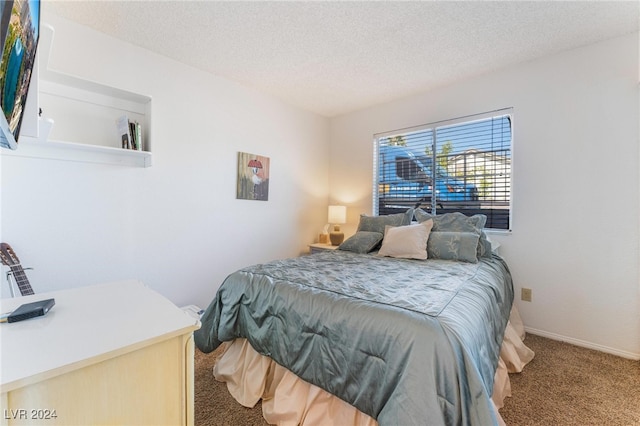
[407,242]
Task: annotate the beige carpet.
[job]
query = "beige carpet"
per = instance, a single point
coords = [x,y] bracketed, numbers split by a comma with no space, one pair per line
[569,385]
[563,385]
[213,403]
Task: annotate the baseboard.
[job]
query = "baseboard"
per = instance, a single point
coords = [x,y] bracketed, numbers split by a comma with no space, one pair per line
[584,344]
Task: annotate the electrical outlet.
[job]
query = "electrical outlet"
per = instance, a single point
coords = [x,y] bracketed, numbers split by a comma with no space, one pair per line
[525,294]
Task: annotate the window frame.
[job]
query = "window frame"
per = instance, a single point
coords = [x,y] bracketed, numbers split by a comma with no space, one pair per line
[434,127]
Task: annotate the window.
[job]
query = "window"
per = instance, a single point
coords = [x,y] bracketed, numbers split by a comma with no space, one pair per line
[467,161]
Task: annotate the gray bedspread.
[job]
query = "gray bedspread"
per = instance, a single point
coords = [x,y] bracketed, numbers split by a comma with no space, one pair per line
[408,342]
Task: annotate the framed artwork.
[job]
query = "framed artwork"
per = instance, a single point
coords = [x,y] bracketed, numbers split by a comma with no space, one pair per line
[253,177]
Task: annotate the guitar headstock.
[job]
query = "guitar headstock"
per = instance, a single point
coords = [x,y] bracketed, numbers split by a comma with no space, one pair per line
[8,256]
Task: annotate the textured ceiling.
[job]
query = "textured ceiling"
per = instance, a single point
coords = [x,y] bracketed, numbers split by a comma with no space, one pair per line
[336,57]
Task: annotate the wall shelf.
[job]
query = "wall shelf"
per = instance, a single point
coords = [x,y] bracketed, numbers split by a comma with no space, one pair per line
[84,115]
[68,151]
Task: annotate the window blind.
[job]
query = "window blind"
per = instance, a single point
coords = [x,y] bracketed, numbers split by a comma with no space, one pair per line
[455,165]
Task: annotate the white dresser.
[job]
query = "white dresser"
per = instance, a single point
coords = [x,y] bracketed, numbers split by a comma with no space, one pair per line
[114,353]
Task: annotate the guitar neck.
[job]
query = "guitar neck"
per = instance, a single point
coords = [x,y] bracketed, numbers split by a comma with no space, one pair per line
[21,280]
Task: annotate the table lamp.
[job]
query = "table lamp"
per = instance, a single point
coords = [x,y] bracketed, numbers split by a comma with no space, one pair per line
[337,216]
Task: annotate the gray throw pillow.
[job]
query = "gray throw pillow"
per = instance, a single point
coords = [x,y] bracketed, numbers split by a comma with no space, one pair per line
[461,246]
[361,242]
[458,222]
[453,222]
[377,223]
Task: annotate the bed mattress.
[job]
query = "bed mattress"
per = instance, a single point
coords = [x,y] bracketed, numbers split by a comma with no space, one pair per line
[404,341]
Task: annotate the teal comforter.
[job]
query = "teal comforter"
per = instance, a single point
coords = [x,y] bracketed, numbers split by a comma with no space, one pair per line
[405,341]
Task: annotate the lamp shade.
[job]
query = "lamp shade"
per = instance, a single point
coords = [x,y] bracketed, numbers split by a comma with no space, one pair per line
[337,214]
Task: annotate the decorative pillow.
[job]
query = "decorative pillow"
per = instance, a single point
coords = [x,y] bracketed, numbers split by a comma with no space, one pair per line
[407,242]
[408,216]
[377,223]
[462,246]
[458,222]
[453,222]
[484,246]
[361,242]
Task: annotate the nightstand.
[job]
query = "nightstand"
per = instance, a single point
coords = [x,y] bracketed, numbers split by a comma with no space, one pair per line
[318,247]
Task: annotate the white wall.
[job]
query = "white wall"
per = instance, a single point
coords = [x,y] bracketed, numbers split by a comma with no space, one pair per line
[177,226]
[575,183]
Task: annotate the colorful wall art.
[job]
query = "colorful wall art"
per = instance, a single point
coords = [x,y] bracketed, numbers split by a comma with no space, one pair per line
[253,177]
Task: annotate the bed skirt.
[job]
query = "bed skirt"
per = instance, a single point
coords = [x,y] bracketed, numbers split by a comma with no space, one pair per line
[289,400]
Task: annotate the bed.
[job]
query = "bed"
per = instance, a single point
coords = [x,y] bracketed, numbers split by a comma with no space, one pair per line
[405,327]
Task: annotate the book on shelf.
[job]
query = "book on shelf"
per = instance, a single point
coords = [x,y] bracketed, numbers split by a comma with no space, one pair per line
[139,136]
[130,133]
